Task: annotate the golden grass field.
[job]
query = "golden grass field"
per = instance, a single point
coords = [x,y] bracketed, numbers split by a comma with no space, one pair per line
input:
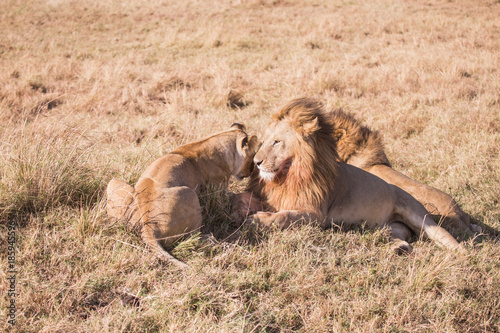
[91,90]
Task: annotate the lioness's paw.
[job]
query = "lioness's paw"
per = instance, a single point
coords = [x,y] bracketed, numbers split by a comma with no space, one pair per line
[244,205]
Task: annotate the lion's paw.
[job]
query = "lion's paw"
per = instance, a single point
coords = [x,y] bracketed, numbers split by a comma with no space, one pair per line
[402,247]
[262,218]
[476,228]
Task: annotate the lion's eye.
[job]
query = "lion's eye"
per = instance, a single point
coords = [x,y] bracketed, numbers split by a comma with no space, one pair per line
[276,142]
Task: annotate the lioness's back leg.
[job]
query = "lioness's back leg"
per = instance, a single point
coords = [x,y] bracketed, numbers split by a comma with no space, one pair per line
[119,199]
[434,200]
[167,214]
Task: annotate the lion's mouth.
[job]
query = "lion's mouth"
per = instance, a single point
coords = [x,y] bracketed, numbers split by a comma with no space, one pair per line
[265,175]
[269,175]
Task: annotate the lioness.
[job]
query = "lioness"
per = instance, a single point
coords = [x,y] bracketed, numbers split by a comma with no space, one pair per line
[303,182]
[164,203]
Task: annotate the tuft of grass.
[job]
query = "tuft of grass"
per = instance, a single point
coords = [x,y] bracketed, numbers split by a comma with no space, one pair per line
[40,173]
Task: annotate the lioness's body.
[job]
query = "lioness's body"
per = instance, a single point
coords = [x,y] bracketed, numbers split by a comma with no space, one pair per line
[303,182]
[164,203]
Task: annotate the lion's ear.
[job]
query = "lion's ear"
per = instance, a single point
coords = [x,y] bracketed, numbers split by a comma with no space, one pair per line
[310,127]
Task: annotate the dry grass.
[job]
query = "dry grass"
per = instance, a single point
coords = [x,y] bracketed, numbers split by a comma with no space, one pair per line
[95,89]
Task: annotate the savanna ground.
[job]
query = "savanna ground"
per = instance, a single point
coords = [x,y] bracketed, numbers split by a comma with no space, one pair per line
[91,90]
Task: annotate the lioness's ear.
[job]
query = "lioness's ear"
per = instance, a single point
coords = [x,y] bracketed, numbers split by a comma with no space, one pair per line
[241,144]
[253,144]
[239,126]
[310,127]
[247,144]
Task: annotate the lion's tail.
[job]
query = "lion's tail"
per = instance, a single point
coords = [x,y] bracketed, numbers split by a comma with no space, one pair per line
[144,197]
[415,216]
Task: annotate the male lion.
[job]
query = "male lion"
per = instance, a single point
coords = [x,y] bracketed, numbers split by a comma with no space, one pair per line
[360,146]
[164,203]
[303,182]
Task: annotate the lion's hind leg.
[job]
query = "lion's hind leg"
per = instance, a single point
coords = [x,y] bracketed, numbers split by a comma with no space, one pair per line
[415,216]
[435,201]
[400,235]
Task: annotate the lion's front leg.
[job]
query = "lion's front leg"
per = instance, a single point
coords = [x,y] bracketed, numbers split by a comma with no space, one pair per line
[246,204]
[285,219]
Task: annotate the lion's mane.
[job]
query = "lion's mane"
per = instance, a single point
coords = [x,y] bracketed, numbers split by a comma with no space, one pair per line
[315,161]
[356,144]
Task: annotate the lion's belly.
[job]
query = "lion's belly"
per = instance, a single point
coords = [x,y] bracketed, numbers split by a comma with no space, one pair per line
[373,215]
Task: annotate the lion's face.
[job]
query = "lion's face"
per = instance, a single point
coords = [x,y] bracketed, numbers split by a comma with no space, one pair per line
[276,154]
[246,147]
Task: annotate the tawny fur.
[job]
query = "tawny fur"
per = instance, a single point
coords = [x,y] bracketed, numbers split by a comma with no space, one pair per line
[363,147]
[357,145]
[310,177]
[304,182]
[164,204]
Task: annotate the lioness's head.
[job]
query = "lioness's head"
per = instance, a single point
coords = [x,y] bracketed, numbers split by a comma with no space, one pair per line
[246,147]
[294,140]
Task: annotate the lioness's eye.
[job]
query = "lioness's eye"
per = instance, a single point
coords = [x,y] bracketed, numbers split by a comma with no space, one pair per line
[276,142]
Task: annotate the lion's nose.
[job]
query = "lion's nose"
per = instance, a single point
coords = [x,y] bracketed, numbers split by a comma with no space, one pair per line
[258,162]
